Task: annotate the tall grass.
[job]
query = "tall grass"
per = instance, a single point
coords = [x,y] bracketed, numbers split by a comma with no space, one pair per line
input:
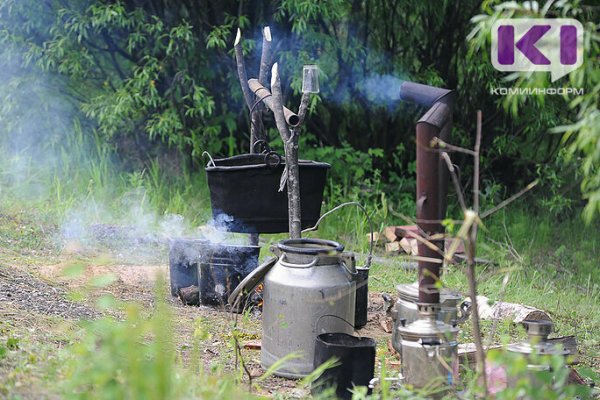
[83,169]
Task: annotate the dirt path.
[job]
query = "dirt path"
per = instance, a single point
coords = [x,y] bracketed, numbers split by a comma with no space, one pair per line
[45,290]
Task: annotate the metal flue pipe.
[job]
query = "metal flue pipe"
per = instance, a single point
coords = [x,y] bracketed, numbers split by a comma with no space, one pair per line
[426,95]
[432,179]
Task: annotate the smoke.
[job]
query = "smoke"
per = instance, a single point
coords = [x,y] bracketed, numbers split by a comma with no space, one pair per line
[49,160]
[134,232]
[380,90]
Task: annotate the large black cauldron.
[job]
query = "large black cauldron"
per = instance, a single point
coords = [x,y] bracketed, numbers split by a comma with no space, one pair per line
[245,198]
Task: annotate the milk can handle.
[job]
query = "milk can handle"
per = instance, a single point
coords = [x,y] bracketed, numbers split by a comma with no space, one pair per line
[350,203]
[289,265]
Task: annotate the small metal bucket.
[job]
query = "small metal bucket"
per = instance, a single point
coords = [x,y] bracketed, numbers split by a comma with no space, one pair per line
[355,362]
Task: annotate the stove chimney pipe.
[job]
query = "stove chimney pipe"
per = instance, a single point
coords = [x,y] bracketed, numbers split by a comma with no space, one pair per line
[432,179]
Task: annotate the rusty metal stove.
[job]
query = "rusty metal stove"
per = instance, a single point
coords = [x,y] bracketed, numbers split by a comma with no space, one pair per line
[427,346]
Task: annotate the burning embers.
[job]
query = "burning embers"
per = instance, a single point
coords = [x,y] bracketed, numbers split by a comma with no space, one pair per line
[207,273]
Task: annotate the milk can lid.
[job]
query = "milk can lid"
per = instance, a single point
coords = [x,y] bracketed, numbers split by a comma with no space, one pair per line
[310,246]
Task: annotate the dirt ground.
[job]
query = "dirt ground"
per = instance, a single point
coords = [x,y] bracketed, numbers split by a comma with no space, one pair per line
[31,295]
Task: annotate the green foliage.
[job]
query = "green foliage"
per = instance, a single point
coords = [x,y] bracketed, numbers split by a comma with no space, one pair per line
[135,358]
[576,117]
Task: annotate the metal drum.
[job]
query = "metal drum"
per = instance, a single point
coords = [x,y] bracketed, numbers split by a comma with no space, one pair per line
[308,292]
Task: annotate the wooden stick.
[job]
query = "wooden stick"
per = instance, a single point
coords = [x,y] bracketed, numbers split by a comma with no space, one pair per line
[291,118]
[265,56]
[439,144]
[241,70]
[457,187]
[291,156]
[512,198]
[303,107]
[471,250]
[256,127]
[476,164]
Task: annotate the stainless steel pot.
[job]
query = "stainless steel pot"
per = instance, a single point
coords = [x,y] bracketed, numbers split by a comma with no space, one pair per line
[309,291]
[405,308]
[429,350]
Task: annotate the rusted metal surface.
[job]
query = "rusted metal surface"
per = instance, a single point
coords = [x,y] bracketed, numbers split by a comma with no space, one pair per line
[263,93]
[432,180]
[426,95]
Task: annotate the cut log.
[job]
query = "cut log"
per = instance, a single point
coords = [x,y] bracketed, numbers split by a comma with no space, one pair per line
[410,246]
[252,345]
[190,296]
[374,236]
[392,247]
[390,233]
[515,312]
[406,231]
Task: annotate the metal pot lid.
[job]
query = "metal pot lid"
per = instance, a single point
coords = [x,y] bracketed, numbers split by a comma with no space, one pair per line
[410,292]
[537,342]
[542,348]
[312,247]
[427,328]
[252,280]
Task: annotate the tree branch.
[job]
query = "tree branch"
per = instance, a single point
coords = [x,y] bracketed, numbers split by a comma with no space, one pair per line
[291,157]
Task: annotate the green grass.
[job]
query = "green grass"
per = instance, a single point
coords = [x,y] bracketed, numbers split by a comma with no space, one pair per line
[551,264]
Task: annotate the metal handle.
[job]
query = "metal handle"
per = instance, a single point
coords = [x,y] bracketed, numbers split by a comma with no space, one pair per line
[290,265]
[465,312]
[206,153]
[333,316]
[364,210]
[352,273]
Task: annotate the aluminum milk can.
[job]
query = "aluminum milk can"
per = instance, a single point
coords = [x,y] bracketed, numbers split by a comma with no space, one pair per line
[429,350]
[537,343]
[309,291]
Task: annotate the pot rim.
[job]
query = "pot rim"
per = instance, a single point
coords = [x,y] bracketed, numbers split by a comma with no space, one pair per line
[359,341]
[291,246]
[256,162]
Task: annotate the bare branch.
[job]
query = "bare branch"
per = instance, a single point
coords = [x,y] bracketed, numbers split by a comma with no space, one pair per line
[263,94]
[415,221]
[512,198]
[303,107]
[241,69]
[476,164]
[265,57]
[471,251]
[291,157]
[457,187]
[439,144]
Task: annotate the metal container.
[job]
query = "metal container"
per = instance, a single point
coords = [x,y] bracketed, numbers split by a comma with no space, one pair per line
[537,343]
[221,268]
[183,262]
[429,350]
[308,292]
[405,308]
[245,198]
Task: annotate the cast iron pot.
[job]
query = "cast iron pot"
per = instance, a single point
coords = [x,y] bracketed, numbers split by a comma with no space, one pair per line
[183,262]
[222,268]
[245,197]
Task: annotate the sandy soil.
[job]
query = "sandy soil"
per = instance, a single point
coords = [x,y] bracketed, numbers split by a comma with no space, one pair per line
[45,291]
